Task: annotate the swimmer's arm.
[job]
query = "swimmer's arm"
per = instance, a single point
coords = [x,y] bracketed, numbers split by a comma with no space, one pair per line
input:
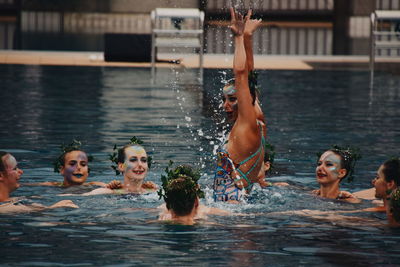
[97,183]
[36,207]
[43,184]
[366,194]
[248,41]
[99,191]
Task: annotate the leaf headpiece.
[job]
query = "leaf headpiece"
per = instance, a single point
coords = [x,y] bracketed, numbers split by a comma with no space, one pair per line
[190,175]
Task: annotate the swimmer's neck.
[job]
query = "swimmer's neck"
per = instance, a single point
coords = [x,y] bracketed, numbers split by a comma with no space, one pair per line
[330,191]
[4,196]
[133,185]
[67,183]
[184,220]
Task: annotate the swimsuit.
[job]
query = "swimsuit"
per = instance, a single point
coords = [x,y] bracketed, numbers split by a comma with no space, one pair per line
[224,182]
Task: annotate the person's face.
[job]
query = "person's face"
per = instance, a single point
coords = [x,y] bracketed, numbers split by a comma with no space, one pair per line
[230,103]
[328,169]
[12,173]
[75,169]
[136,165]
[263,170]
[380,184]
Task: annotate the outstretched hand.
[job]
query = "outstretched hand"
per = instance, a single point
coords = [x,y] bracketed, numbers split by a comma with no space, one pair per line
[250,24]
[237,23]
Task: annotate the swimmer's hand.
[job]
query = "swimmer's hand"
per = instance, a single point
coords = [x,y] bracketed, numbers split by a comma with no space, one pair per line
[114,184]
[250,24]
[64,204]
[237,23]
[149,185]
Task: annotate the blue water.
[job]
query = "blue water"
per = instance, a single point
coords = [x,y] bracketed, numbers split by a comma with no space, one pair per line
[307,111]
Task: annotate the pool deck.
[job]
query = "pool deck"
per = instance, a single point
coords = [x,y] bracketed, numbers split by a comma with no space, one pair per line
[270,62]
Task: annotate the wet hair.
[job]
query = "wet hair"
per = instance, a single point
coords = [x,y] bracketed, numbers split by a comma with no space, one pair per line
[2,166]
[121,152]
[348,158]
[394,204]
[180,188]
[391,170]
[269,154]
[180,195]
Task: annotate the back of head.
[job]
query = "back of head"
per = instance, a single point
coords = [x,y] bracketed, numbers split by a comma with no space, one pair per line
[180,189]
[2,166]
[394,204]
[180,195]
[391,170]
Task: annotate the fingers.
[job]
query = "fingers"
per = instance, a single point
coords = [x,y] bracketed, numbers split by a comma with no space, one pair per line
[233,14]
[249,13]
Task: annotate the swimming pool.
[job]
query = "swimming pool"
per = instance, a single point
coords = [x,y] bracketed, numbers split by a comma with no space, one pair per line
[307,111]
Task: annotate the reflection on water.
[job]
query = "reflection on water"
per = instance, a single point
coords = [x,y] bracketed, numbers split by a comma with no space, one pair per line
[307,111]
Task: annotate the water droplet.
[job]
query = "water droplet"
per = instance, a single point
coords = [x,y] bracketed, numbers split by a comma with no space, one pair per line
[188,119]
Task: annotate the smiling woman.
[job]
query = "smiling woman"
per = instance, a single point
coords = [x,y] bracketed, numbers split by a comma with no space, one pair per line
[133,162]
[332,167]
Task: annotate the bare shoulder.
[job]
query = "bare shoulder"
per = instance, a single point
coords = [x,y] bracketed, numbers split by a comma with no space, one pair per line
[44,184]
[366,194]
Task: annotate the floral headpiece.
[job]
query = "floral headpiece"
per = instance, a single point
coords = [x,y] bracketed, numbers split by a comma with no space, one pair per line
[350,155]
[395,204]
[114,156]
[74,146]
[191,176]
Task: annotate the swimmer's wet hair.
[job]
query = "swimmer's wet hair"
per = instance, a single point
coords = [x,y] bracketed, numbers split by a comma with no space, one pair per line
[391,170]
[348,158]
[75,145]
[253,85]
[2,166]
[180,188]
[394,204]
[118,155]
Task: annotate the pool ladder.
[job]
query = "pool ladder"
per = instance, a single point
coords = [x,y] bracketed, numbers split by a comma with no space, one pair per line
[177,28]
[381,39]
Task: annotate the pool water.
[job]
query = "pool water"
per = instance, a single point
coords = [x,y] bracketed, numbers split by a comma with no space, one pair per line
[307,111]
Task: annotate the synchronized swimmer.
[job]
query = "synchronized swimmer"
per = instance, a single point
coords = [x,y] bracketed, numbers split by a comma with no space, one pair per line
[243,159]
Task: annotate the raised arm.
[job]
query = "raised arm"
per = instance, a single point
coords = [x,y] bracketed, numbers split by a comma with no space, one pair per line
[246,113]
[250,27]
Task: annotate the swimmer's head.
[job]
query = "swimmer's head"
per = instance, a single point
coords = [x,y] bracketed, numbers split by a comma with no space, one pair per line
[269,156]
[387,178]
[230,101]
[133,161]
[180,189]
[337,163]
[73,164]
[229,96]
[9,172]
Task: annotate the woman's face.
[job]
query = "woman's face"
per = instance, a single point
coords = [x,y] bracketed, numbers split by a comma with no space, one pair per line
[136,163]
[12,173]
[229,99]
[329,169]
[75,169]
[380,184]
